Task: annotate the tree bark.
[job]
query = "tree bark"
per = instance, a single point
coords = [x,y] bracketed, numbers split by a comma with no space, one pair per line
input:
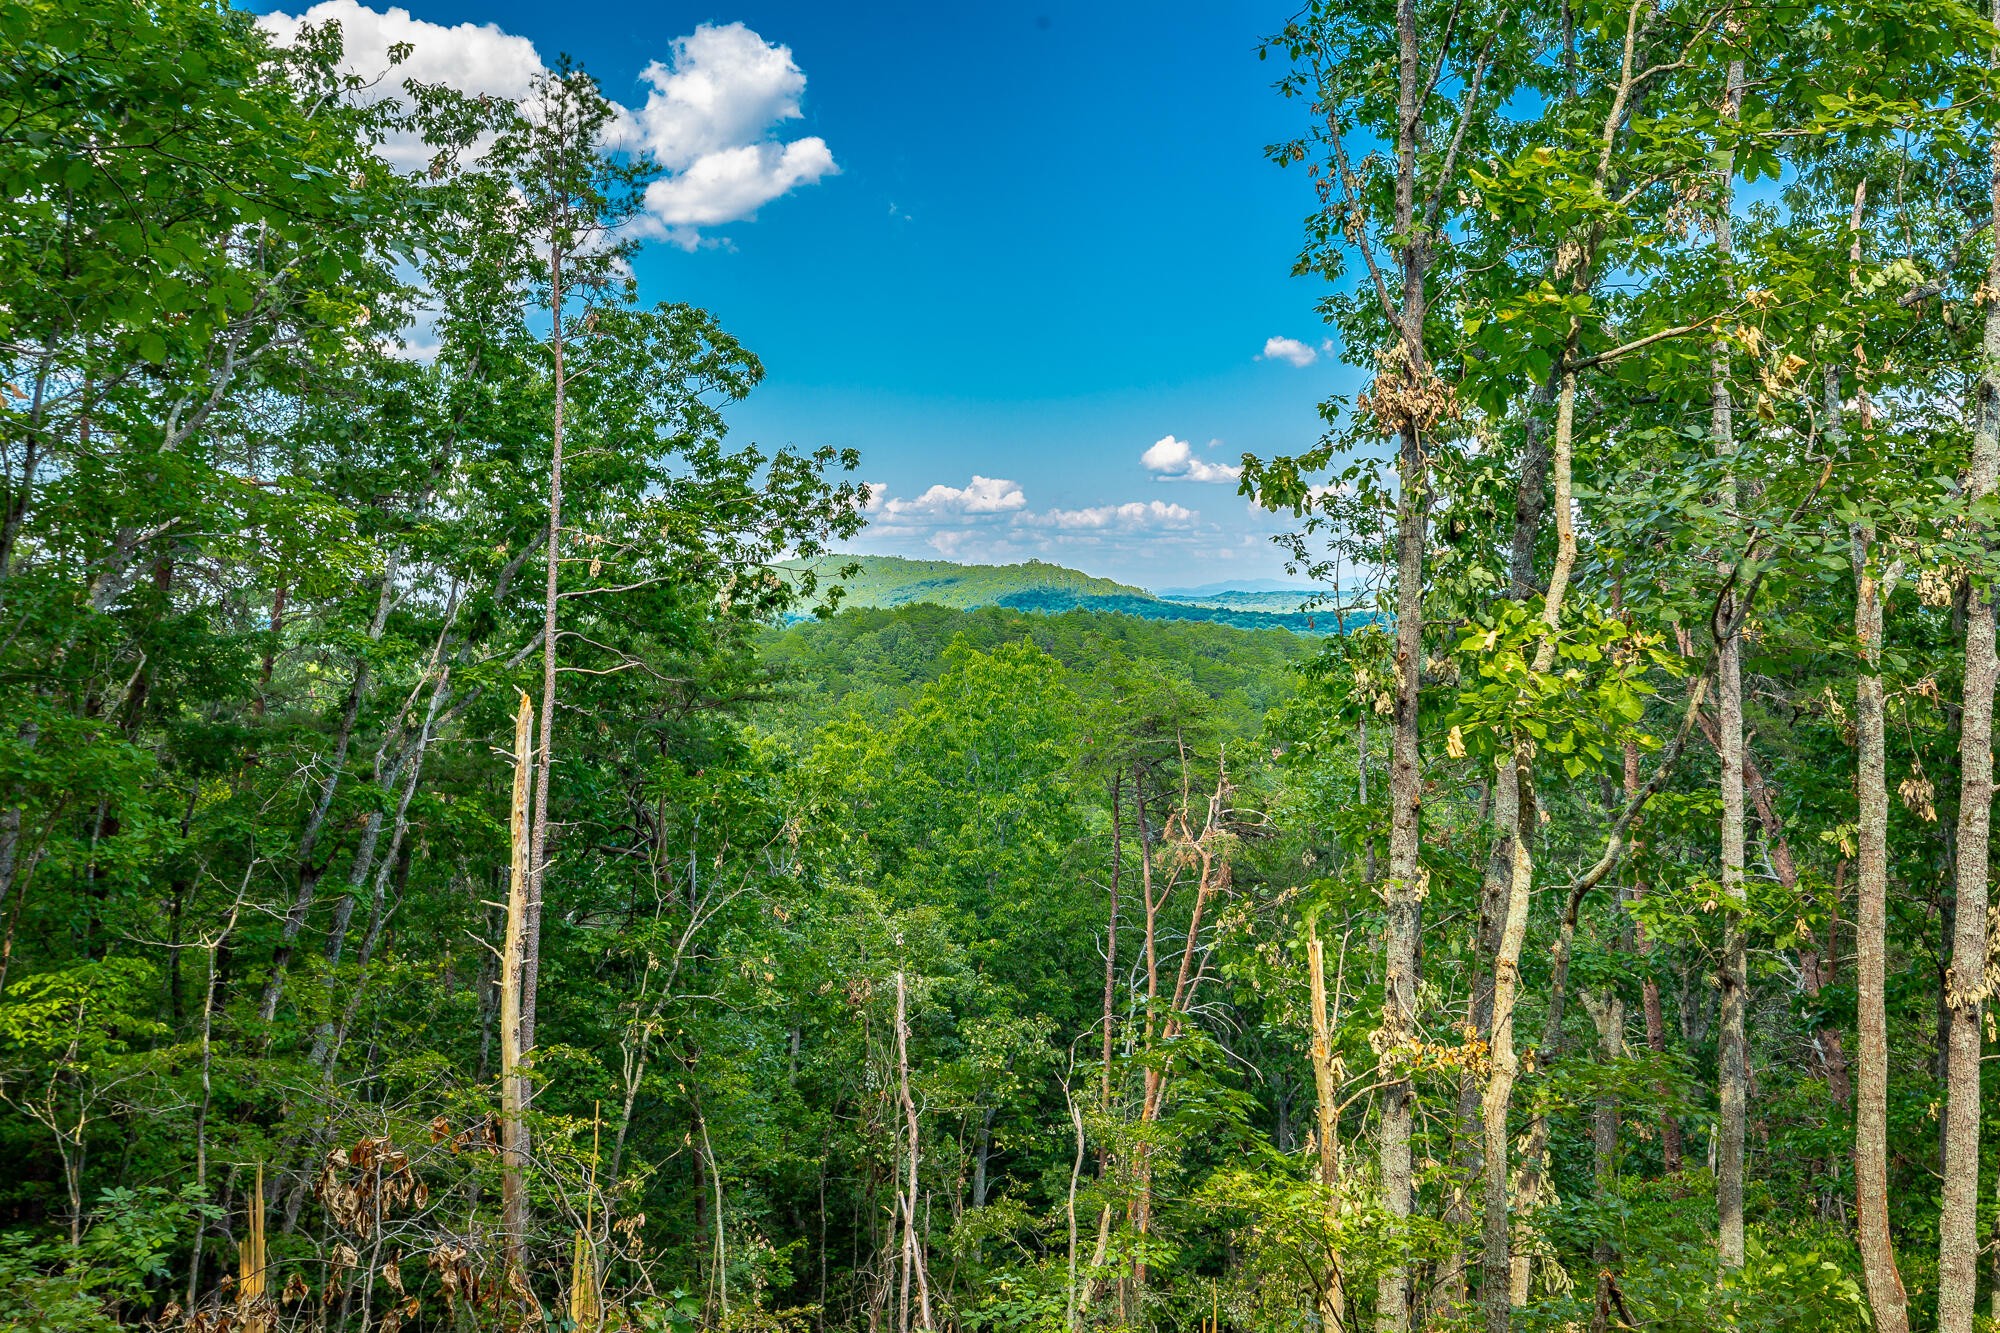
[1496,1267]
[1327,1075]
[1886,1296]
[913,1247]
[1732,971]
[531,933]
[1967,986]
[1111,942]
[514,1143]
[1499,1289]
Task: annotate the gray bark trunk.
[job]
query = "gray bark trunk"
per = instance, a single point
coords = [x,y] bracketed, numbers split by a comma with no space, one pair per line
[1966,984]
[1732,973]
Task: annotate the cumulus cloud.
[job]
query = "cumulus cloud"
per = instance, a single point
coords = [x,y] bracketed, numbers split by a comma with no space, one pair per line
[990,519]
[1288,349]
[473,58]
[985,495]
[1173,460]
[710,119]
[711,116]
[1136,514]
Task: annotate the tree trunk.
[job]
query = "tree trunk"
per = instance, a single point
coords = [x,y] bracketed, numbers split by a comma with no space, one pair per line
[1732,973]
[531,932]
[1327,1075]
[913,1246]
[1886,1296]
[514,1142]
[1403,892]
[1111,944]
[1967,985]
[1496,1281]
[308,873]
[1500,1288]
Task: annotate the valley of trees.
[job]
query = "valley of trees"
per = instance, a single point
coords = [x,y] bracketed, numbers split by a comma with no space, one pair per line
[456,872]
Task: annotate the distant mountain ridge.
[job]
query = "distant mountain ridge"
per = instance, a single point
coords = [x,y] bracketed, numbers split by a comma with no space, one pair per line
[1037,585]
[1240,585]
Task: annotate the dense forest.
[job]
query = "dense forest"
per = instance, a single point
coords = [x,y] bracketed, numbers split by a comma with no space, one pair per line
[457,871]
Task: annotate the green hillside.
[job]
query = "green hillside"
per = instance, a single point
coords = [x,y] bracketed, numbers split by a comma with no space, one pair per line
[891,581]
[878,659]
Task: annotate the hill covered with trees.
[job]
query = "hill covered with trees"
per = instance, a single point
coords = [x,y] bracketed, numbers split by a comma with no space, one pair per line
[889,580]
[1036,585]
[453,877]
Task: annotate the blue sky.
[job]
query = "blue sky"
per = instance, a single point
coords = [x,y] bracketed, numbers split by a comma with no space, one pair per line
[1049,241]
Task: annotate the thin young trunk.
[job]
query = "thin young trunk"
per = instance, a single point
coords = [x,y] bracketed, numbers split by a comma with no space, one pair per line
[1142,1159]
[1732,973]
[1327,1075]
[1498,1285]
[531,930]
[308,872]
[1507,917]
[1212,876]
[913,1247]
[1111,942]
[983,1151]
[514,1142]
[1966,984]
[1369,868]
[1500,801]
[1607,1012]
[720,1235]
[1071,1308]
[1886,1296]
[328,1040]
[207,1090]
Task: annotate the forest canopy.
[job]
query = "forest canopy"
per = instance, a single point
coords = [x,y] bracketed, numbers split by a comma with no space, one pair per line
[460,867]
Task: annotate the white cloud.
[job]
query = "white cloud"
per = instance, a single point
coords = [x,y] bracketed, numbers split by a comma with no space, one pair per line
[733,183]
[1174,460]
[1167,455]
[471,58]
[710,118]
[720,87]
[1288,349]
[474,58]
[1134,514]
[989,520]
[985,495]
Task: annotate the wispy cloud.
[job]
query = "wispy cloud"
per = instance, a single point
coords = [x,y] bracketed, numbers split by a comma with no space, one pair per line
[1173,459]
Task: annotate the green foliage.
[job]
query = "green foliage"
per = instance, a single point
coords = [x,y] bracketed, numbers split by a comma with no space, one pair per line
[1027,858]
